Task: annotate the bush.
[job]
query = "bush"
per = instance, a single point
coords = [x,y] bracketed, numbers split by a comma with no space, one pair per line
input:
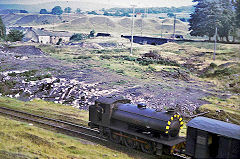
[82,57]
[213,65]
[59,41]
[92,32]
[129,58]
[120,71]
[105,57]
[15,35]
[77,37]
[183,19]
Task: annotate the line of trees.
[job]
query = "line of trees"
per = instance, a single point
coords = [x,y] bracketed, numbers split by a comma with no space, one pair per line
[221,14]
[153,10]
[57,10]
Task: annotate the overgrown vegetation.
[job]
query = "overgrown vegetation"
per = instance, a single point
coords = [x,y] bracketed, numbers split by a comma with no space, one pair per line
[30,75]
[223,109]
[7,86]
[15,35]
[78,37]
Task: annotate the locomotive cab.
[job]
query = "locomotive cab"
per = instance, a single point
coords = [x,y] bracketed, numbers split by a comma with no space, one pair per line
[100,113]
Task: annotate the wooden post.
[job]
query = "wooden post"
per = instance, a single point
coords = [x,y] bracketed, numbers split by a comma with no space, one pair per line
[132,28]
[174,27]
[215,44]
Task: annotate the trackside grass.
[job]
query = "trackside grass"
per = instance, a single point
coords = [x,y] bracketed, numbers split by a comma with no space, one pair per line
[48,109]
[22,141]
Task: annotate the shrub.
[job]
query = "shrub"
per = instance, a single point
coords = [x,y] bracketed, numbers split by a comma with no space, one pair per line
[82,57]
[120,71]
[213,65]
[77,37]
[105,57]
[15,35]
[92,32]
[129,58]
[59,41]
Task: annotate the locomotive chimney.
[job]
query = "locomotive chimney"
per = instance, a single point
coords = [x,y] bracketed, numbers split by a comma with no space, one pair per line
[171,110]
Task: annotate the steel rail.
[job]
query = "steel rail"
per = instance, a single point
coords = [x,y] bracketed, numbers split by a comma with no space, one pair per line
[88,132]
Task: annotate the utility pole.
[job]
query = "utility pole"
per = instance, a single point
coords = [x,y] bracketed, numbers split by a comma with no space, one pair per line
[174,26]
[142,26]
[161,29]
[106,18]
[132,28]
[215,44]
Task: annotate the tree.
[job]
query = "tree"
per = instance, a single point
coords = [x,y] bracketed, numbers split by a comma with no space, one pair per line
[15,35]
[170,15]
[43,11]
[68,10]
[237,11]
[211,14]
[2,29]
[78,11]
[226,19]
[57,10]
[92,32]
[202,21]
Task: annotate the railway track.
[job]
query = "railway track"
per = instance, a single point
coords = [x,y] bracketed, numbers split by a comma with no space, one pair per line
[59,125]
[72,129]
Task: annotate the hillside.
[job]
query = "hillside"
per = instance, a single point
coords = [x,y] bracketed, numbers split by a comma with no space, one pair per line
[85,23]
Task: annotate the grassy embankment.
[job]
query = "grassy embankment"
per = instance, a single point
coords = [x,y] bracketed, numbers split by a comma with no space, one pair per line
[22,141]
[48,109]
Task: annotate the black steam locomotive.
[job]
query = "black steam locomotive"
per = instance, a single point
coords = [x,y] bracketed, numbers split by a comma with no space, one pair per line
[155,132]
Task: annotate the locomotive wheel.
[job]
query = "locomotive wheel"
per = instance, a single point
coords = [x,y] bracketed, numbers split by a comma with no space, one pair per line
[129,142]
[115,138]
[147,147]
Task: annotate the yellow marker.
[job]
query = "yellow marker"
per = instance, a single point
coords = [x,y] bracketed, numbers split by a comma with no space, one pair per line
[166,132]
[181,127]
[167,127]
[171,118]
[175,116]
[181,123]
[178,116]
[180,119]
[169,122]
